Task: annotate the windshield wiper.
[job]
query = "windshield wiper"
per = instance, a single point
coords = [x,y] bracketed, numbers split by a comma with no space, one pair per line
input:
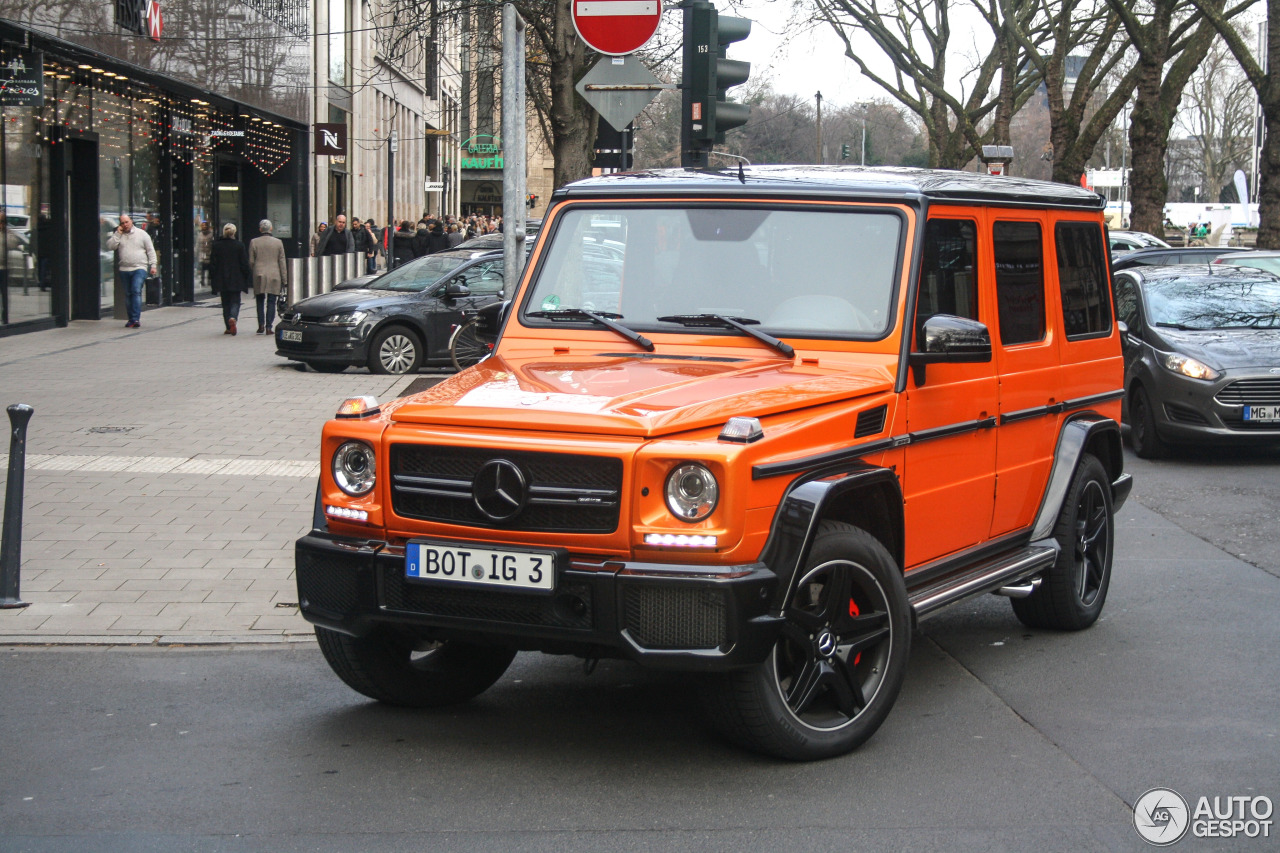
[603,318]
[742,324]
[1180,327]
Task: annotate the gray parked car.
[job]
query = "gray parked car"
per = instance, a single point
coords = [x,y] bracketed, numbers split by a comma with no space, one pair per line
[1202,355]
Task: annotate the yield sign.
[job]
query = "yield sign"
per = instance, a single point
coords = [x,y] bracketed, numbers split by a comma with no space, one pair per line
[619,88]
[616,27]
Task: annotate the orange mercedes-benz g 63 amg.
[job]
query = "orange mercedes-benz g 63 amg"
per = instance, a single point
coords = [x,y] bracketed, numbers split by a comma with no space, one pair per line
[753,424]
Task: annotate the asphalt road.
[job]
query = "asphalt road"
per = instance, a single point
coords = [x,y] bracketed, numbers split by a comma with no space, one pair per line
[1003,739]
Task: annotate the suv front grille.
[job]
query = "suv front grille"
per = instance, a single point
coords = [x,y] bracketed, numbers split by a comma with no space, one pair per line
[567,493]
[1251,392]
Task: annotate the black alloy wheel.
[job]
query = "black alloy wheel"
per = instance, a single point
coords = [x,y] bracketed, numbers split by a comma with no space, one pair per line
[837,667]
[1073,591]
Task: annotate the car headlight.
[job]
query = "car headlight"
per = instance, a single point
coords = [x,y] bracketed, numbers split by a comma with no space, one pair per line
[692,492]
[354,468]
[1189,367]
[346,318]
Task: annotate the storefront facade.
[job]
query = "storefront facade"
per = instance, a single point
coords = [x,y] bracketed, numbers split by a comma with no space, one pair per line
[201,127]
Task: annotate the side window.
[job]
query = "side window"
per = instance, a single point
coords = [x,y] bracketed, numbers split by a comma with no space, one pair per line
[948,279]
[486,279]
[1127,301]
[1082,275]
[1019,256]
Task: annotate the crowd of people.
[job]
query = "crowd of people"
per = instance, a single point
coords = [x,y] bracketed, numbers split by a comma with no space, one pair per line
[404,241]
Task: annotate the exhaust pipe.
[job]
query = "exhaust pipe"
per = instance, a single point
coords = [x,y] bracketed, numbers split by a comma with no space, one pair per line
[1020,590]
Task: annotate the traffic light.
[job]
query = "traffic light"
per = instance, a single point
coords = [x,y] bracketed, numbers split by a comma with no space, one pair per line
[844,151]
[707,112]
[531,200]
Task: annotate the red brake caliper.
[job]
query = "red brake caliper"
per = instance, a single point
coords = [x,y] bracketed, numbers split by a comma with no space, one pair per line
[854,611]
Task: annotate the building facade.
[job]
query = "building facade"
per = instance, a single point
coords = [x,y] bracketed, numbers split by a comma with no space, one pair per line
[183,115]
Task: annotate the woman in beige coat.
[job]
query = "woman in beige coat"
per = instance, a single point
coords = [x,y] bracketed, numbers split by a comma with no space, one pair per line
[266,258]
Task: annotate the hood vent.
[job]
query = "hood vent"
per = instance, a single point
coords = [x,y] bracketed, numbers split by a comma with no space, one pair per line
[870,422]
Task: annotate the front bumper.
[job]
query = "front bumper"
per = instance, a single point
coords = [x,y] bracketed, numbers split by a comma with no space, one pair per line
[1190,410]
[660,615]
[330,344]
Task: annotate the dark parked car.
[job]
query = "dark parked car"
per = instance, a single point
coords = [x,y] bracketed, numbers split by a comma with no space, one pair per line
[397,323]
[1163,257]
[1128,241]
[1202,355]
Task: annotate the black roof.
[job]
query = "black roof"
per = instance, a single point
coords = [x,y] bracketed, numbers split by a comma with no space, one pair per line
[881,182]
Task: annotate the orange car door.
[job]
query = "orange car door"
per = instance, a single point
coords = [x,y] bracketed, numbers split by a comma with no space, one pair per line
[950,461]
[1025,345]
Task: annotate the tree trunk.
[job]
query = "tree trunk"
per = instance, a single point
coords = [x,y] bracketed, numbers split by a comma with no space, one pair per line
[1269,179]
[1148,140]
[573,121]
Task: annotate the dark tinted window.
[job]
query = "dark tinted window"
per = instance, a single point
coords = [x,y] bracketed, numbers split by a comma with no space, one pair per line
[1127,301]
[1082,275]
[1019,257]
[948,281]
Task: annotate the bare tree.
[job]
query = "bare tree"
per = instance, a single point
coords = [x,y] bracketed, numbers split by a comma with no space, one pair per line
[1217,121]
[1170,39]
[1265,80]
[916,36]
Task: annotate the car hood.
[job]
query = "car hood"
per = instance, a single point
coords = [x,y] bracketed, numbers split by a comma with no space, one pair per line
[630,395]
[1225,349]
[324,304]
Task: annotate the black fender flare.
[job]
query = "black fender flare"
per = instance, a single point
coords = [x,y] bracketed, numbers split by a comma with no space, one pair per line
[807,502]
[1083,432]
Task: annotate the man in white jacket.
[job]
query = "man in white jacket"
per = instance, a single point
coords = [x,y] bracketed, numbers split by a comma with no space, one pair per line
[135,256]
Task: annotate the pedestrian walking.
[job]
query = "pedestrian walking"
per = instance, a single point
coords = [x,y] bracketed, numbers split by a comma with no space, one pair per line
[315,238]
[229,274]
[402,243]
[374,248]
[336,240]
[135,256]
[454,236]
[203,241]
[363,238]
[266,260]
[421,240]
[436,239]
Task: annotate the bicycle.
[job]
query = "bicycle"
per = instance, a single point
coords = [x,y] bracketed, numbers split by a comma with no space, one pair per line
[465,349]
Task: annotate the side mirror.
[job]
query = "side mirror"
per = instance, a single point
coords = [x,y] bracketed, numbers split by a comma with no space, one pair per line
[947,339]
[489,321]
[456,289]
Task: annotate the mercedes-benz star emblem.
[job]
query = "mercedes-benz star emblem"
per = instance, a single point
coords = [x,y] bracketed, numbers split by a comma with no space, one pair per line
[500,490]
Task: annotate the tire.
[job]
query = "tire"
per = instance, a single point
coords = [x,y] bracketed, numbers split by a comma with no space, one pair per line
[806,701]
[326,367]
[389,669]
[395,350]
[1072,592]
[1143,437]
[465,349]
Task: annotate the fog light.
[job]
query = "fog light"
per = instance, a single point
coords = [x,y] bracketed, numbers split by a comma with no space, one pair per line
[346,513]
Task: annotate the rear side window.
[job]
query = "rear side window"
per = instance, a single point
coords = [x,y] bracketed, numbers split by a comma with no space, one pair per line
[948,283]
[1082,275]
[1019,257]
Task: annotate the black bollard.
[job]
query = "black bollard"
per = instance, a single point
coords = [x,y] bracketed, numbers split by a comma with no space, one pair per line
[11,538]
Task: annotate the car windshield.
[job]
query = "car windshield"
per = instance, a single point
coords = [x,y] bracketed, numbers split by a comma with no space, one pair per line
[814,273]
[1214,302]
[418,275]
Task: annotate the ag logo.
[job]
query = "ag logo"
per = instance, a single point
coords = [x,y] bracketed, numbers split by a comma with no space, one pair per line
[1161,817]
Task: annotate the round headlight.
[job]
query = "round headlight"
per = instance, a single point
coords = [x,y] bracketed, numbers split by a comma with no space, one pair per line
[692,492]
[354,468]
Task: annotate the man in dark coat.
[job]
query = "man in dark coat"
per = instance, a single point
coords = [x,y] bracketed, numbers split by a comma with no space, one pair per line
[229,274]
[336,240]
[421,241]
[402,243]
[364,240]
[437,240]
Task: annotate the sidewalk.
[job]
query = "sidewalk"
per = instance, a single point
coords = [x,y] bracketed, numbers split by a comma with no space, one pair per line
[169,470]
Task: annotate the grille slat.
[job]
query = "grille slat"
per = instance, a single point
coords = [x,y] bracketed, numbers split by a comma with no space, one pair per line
[567,492]
[1251,392]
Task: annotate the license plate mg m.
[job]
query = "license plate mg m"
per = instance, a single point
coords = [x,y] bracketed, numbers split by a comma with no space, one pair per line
[500,567]
[286,335]
[1262,413]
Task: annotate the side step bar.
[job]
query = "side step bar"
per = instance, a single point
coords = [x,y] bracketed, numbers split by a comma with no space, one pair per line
[992,575]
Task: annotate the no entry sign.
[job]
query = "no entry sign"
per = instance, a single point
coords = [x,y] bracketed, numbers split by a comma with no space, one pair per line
[616,27]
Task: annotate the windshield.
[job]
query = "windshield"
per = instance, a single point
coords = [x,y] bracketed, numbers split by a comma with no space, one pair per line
[1213,302]
[418,275]
[814,273]
[1246,259]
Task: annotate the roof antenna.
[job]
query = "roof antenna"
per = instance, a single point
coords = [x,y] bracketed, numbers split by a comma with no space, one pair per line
[742,176]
